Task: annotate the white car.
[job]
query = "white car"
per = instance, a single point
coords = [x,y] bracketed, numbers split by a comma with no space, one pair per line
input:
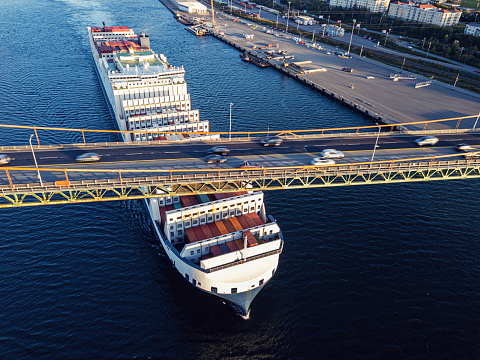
[88,157]
[322,162]
[332,154]
[4,159]
[426,140]
[370,77]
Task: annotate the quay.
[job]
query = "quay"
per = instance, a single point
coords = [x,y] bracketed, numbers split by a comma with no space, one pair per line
[379,91]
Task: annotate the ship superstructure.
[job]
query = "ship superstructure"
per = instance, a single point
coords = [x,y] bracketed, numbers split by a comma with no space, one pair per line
[223,244]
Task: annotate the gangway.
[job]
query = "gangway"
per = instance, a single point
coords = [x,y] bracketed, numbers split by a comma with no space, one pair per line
[422,84]
[402,77]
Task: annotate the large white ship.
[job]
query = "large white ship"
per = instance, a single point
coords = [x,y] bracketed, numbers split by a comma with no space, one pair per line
[223,244]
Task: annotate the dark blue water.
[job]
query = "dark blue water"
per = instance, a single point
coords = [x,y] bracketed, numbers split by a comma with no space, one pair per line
[368,272]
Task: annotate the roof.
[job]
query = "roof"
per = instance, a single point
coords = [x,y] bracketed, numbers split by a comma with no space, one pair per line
[477,25]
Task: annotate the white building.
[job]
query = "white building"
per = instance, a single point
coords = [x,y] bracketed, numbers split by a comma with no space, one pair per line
[191,6]
[373,6]
[424,13]
[472,29]
[333,30]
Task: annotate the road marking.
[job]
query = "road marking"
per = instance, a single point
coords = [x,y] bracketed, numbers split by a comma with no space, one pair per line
[135,154]
[49,157]
[172,152]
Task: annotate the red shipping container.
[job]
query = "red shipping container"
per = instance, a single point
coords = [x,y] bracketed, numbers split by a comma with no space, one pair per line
[206,231]
[228,224]
[243,222]
[214,229]
[256,218]
[215,250]
[239,244]
[199,233]
[191,237]
[249,220]
[232,246]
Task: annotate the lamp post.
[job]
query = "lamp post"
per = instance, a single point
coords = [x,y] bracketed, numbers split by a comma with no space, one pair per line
[351,36]
[35,159]
[428,51]
[288,16]
[230,133]
[376,142]
[386,37]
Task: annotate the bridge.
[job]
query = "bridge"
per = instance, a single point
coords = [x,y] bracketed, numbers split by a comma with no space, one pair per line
[155,169]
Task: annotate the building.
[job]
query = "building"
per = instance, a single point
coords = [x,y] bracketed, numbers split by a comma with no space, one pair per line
[191,6]
[472,29]
[424,13]
[373,6]
[333,30]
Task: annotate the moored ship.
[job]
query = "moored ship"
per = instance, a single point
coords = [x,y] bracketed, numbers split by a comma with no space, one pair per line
[222,243]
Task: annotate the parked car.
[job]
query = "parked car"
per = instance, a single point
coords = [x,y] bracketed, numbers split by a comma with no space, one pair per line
[215,158]
[88,157]
[464,147]
[220,150]
[426,140]
[4,159]
[272,140]
[322,162]
[332,154]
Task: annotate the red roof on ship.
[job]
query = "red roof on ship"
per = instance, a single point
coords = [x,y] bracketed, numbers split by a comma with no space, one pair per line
[111,29]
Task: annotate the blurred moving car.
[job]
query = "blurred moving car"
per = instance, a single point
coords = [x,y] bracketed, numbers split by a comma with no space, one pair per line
[426,140]
[246,165]
[220,150]
[332,154]
[88,157]
[215,158]
[320,162]
[472,155]
[4,159]
[272,140]
[464,147]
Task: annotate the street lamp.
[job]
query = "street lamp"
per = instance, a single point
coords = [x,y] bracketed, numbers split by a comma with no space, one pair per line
[351,36]
[376,142]
[386,37]
[230,133]
[428,51]
[288,16]
[35,159]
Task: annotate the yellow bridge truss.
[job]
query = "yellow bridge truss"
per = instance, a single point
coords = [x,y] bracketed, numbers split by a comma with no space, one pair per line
[139,184]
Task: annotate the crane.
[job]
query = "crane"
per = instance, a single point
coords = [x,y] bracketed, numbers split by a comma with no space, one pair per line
[213,16]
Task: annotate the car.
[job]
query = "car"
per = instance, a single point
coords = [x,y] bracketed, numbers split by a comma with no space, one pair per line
[472,155]
[464,147]
[409,47]
[220,150]
[322,162]
[370,77]
[4,159]
[347,69]
[246,165]
[88,157]
[272,140]
[332,154]
[215,158]
[426,140]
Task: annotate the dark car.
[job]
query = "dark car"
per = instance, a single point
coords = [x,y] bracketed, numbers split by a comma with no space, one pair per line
[272,141]
[219,150]
[215,158]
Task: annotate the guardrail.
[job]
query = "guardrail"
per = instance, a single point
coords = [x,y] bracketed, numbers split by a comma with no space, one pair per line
[252,134]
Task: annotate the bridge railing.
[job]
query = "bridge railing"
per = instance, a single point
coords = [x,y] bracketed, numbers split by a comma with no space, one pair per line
[455,124]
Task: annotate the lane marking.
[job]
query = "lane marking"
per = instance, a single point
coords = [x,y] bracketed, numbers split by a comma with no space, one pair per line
[49,157]
[135,154]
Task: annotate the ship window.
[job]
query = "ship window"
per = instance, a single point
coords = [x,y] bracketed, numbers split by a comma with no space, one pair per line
[206,248]
[234,290]
[198,251]
[187,277]
[172,234]
[191,252]
[217,216]
[252,209]
[271,232]
[199,284]
[194,282]
[232,212]
[260,283]
[179,232]
[195,222]
[171,227]
[214,289]
[210,218]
